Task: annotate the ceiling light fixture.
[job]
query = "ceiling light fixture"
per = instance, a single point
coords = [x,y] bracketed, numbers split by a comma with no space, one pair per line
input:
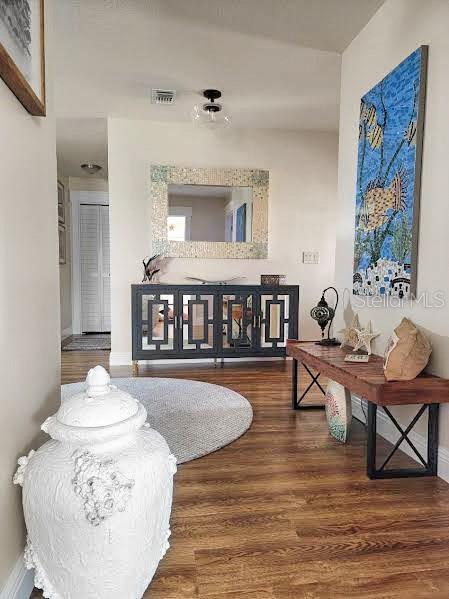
[91,168]
[210,114]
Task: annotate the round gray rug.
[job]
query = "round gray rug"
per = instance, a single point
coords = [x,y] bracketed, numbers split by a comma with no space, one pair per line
[195,418]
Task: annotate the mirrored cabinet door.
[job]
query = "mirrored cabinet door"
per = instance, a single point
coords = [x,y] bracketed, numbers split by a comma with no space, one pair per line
[196,322]
[238,319]
[274,320]
[158,322]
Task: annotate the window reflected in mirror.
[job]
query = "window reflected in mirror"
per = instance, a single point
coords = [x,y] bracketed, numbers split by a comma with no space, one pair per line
[209,213]
[177,227]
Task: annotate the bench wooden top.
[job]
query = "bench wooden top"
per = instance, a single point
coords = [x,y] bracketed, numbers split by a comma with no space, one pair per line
[367,379]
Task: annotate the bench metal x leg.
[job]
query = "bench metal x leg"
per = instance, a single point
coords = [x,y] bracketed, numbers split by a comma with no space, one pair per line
[295,401]
[429,466]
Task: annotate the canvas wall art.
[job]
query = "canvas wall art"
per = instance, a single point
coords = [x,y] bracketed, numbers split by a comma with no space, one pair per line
[22,54]
[389,180]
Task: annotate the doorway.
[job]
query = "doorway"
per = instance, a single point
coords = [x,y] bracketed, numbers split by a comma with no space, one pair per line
[95,269]
[91,263]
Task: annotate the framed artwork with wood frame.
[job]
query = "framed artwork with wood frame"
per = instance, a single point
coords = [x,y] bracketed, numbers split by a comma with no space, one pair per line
[22,52]
[61,204]
[62,244]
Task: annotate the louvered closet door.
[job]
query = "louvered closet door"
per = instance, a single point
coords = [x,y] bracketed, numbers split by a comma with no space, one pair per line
[105,268]
[94,263]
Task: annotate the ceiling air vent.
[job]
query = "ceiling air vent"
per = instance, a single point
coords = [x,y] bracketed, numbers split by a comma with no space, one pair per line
[163,96]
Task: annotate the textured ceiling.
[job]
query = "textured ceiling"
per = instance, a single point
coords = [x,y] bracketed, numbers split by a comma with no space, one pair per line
[321,24]
[276,61]
[79,141]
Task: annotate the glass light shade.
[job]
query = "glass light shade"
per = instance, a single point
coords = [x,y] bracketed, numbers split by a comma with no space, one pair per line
[209,119]
[91,168]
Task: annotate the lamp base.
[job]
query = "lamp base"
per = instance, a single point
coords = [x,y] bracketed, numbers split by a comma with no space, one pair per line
[328,342]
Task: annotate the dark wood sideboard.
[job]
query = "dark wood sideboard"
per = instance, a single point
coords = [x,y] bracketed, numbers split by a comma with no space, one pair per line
[367,381]
[212,321]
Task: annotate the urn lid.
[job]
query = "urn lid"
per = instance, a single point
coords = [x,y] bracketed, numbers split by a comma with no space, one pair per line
[101,404]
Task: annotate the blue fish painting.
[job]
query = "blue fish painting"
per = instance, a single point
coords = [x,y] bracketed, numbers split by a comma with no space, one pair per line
[388,181]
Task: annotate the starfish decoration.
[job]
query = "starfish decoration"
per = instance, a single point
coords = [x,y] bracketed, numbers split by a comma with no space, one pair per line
[350,333]
[364,338]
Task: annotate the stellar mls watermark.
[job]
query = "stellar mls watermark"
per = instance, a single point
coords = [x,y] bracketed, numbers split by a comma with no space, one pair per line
[434,299]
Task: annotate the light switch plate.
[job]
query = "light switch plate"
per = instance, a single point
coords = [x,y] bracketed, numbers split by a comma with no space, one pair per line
[311,257]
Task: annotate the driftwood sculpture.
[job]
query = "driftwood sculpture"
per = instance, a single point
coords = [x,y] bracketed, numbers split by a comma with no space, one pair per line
[150,268]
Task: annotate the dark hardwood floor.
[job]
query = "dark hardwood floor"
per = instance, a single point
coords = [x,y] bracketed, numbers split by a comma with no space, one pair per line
[286,512]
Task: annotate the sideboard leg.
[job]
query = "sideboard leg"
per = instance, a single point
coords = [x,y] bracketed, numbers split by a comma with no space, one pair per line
[371,440]
[135,367]
[295,384]
[432,439]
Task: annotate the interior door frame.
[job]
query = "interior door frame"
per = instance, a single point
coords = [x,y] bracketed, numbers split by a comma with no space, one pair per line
[76,199]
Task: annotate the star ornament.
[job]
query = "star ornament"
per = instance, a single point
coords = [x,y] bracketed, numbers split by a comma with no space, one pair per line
[364,338]
[349,334]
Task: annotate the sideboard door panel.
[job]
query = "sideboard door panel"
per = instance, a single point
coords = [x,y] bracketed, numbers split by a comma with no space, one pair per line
[275,320]
[157,332]
[237,311]
[197,326]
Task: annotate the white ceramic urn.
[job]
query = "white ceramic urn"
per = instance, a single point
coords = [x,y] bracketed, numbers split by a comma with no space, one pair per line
[97,497]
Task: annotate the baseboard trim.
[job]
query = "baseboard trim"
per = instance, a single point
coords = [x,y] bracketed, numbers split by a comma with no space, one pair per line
[125,359]
[66,333]
[386,429]
[211,360]
[20,582]
[120,359]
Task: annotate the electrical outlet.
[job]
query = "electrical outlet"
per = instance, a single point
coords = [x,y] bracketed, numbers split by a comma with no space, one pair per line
[311,257]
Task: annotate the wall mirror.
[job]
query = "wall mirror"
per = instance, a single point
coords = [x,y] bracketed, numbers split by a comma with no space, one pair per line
[209,213]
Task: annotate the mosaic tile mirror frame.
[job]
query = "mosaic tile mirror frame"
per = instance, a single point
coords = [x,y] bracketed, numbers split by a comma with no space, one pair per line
[163,175]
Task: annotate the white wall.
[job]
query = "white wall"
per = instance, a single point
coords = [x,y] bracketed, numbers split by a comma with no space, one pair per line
[29,296]
[88,183]
[301,208]
[398,28]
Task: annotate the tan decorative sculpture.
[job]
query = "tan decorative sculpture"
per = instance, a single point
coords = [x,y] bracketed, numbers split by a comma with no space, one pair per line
[407,354]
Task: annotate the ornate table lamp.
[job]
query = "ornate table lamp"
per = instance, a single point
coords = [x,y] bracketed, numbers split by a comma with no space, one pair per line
[324,315]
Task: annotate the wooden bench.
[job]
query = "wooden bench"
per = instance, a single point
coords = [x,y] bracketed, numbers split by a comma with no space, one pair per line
[367,381]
